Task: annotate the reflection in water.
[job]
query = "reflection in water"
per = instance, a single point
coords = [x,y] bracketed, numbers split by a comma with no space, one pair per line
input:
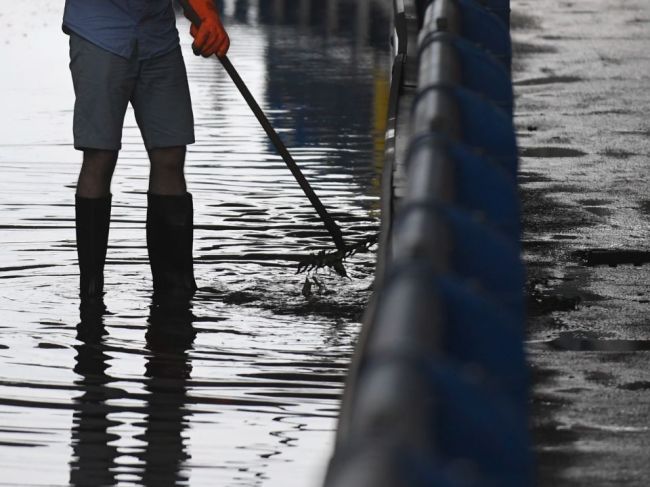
[169,336]
[94,458]
[355,18]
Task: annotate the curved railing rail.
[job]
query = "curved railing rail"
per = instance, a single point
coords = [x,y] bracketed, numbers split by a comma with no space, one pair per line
[438,390]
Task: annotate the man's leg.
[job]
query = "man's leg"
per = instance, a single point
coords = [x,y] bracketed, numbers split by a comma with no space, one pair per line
[167,175]
[92,221]
[170,226]
[96,173]
[103,84]
[164,113]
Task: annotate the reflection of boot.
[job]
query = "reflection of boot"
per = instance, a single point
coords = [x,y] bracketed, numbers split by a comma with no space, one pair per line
[169,241]
[170,331]
[93,217]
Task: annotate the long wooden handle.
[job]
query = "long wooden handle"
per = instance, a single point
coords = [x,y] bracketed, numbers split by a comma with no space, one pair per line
[330,224]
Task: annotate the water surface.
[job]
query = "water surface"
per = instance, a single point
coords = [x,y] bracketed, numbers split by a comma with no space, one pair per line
[243,388]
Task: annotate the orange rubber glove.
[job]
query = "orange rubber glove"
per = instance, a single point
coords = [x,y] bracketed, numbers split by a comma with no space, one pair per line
[211,37]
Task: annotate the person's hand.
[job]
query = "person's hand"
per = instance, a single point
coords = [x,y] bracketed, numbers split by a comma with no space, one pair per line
[211,37]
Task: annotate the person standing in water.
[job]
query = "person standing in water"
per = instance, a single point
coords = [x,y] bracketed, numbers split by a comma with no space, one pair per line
[121,52]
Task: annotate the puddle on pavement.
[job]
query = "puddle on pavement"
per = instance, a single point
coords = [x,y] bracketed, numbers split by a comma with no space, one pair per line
[243,388]
[612,257]
[585,342]
[551,152]
[548,80]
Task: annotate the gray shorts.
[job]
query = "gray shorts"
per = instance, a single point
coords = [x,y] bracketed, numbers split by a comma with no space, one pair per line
[105,83]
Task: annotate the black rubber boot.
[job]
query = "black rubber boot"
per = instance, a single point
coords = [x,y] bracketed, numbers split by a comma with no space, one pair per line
[92,221]
[170,230]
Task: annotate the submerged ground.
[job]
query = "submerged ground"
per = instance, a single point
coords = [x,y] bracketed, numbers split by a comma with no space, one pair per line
[252,398]
[582,76]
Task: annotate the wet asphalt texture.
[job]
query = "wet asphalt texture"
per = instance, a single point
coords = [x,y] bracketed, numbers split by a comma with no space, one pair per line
[582,79]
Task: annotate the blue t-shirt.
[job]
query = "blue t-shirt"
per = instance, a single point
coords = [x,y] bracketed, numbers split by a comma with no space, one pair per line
[119,26]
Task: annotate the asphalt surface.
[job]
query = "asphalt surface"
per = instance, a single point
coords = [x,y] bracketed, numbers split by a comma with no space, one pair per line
[582,78]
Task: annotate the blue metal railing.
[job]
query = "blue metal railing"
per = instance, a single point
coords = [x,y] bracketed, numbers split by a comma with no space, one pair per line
[438,390]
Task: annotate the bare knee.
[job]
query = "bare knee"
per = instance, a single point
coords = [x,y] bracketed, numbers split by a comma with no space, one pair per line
[167,171]
[96,173]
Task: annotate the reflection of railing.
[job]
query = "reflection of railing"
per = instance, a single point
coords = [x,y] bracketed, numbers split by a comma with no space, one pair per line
[437,393]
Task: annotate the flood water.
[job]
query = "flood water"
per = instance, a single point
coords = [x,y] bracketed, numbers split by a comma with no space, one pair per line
[243,389]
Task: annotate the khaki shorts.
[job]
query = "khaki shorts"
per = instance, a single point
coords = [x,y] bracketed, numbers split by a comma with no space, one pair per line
[105,83]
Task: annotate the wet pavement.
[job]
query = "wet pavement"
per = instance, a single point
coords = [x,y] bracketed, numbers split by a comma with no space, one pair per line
[582,77]
[243,388]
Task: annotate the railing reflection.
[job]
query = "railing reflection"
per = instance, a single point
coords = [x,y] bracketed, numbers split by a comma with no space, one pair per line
[334,16]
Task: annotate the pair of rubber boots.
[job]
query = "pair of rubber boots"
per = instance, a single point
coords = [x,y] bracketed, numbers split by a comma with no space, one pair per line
[170,231]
